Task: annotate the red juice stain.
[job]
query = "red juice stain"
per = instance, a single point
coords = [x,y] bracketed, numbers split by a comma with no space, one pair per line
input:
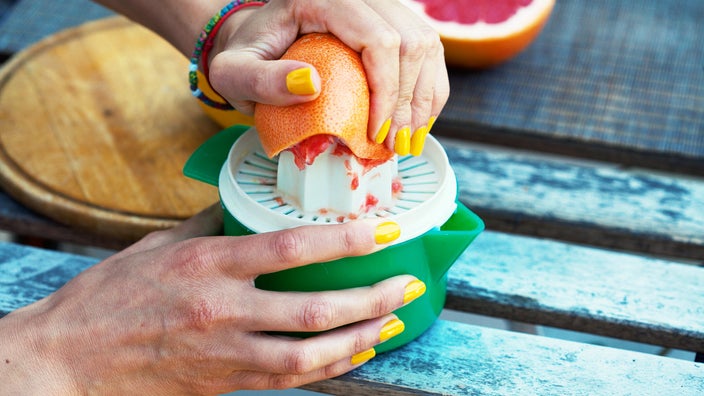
[370,203]
[354,185]
[396,187]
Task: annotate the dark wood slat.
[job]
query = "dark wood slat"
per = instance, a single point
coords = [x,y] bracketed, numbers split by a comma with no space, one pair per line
[580,288]
[582,88]
[591,203]
[17,219]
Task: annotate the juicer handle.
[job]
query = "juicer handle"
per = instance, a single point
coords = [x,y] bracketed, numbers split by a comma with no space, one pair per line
[205,163]
[451,240]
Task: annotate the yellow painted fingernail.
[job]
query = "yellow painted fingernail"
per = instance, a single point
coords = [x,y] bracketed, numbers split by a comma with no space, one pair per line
[383,132]
[403,141]
[387,232]
[391,329]
[431,122]
[300,82]
[418,140]
[414,290]
[363,356]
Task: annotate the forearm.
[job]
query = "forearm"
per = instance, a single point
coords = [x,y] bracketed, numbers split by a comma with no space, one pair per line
[177,21]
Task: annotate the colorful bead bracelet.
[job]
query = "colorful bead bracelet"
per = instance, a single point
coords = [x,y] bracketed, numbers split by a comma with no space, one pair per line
[205,43]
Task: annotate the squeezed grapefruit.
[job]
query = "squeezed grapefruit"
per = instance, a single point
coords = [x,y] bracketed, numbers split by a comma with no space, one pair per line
[341,110]
[483,33]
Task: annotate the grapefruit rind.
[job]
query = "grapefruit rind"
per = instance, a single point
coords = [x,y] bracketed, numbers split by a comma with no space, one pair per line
[341,109]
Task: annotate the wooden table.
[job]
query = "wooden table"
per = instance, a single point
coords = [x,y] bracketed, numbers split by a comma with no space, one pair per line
[585,157]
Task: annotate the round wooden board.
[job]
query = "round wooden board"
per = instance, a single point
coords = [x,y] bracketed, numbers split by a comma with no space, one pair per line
[96,123]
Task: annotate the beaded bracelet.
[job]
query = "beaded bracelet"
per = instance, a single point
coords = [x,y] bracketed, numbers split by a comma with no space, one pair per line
[205,42]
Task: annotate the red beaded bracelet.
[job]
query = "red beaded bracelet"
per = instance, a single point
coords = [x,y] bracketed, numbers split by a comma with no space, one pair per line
[205,43]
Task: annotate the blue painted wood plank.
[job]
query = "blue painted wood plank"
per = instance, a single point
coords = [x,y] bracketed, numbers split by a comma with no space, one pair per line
[458,359]
[28,274]
[451,358]
[581,288]
[587,202]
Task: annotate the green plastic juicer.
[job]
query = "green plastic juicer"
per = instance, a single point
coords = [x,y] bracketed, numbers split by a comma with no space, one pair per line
[435,227]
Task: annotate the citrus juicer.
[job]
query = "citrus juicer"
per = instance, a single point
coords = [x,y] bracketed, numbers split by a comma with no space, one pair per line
[435,227]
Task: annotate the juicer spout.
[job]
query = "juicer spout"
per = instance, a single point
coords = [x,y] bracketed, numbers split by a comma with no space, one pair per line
[453,238]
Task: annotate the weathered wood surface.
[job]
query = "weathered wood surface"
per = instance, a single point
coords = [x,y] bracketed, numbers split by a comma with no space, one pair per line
[451,358]
[507,276]
[586,202]
[581,288]
[458,359]
[23,222]
[590,203]
[28,274]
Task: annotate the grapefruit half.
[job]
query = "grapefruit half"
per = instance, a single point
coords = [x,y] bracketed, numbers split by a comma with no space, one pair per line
[341,110]
[483,33]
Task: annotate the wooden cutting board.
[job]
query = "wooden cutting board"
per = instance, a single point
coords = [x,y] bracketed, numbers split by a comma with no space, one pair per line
[96,123]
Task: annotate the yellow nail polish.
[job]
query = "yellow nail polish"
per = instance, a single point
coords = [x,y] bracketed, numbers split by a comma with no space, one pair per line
[363,356]
[300,82]
[431,122]
[414,290]
[383,132]
[387,232]
[391,329]
[418,140]
[403,141]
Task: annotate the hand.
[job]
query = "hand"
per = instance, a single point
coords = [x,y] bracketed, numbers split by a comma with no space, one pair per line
[178,313]
[402,55]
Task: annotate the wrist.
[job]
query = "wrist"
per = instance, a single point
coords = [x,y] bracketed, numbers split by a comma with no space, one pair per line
[28,363]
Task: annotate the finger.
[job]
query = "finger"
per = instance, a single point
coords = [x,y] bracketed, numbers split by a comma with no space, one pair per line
[276,251]
[307,356]
[440,97]
[262,381]
[429,97]
[280,83]
[205,223]
[419,44]
[364,30]
[314,312]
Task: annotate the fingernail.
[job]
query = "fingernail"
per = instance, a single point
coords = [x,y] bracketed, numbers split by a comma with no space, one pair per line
[363,356]
[403,141]
[431,122]
[383,132]
[418,140]
[391,329]
[300,82]
[387,232]
[414,290]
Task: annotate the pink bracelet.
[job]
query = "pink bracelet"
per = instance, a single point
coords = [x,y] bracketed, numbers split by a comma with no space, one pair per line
[205,43]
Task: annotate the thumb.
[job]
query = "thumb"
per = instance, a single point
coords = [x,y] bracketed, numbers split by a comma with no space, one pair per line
[245,80]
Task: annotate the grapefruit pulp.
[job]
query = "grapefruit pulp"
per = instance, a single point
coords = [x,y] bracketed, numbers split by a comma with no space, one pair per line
[483,33]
